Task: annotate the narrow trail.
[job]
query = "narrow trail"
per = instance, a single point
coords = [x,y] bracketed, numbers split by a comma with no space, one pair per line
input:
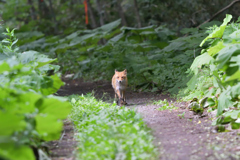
[179,134]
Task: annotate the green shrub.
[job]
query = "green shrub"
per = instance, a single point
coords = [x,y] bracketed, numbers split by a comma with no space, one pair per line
[29,114]
[216,71]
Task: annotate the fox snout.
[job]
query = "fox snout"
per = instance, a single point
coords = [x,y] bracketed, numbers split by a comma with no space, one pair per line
[120,81]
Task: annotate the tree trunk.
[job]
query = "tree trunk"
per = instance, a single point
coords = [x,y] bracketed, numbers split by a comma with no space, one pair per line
[121,13]
[32,10]
[43,9]
[53,17]
[137,14]
[91,14]
[99,8]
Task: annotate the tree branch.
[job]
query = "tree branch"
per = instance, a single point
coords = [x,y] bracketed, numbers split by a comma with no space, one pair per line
[220,11]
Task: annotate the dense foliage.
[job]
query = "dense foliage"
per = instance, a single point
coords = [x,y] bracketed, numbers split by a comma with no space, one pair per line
[66,16]
[105,131]
[29,114]
[155,58]
[216,72]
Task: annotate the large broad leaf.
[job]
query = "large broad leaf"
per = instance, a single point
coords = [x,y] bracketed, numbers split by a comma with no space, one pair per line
[50,85]
[4,67]
[33,56]
[235,35]
[84,38]
[235,125]
[109,27]
[235,91]
[45,61]
[175,45]
[48,126]
[73,35]
[117,37]
[218,32]
[234,76]
[235,61]
[137,30]
[10,123]
[27,102]
[233,114]
[226,53]
[55,107]
[12,152]
[224,101]
[199,61]
[215,49]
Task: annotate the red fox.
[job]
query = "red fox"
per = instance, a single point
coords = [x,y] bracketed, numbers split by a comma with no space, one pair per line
[119,84]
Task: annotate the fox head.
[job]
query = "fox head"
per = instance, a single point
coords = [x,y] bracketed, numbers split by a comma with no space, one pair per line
[121,76]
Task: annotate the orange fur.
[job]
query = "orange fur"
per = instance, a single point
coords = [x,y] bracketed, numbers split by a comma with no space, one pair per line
[119,84]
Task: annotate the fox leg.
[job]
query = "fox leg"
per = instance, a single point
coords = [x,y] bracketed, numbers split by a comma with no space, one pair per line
[118,94]
[124,97]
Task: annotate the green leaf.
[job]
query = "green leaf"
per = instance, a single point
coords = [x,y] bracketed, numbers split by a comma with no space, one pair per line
[48,126]
[234,114]
[117,37]
[211,102]
[226,53]
[218,32]
[28,102]
[235,90]
[224,102]
[46,61]
[215,49]
[235,125]
[10,122]
[137,30]
[235,76]
[199,61]
[51,84]
[235,61]
[110,26]
[13,152]
[55,107]
[4,67]
[235,35]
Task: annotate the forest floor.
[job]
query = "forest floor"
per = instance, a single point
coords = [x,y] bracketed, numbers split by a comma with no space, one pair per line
[179,134]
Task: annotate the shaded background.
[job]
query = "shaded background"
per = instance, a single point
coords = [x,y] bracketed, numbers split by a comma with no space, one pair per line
[156,41]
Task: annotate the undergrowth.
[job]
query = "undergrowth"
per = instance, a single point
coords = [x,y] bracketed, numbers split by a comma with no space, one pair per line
[156,59]
[216,74]
[29,114]
[105,131]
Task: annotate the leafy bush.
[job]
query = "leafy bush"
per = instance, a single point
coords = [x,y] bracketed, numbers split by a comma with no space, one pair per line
[29,115]
[155,58]
[107,132]
[217,70]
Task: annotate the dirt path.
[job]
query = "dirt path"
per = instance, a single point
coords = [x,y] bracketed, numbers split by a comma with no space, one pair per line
[179,134]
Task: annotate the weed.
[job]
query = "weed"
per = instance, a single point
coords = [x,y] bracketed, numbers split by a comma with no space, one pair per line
[165,105]
[181,115]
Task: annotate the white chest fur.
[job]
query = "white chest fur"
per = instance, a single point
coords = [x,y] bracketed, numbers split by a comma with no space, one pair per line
[121,86]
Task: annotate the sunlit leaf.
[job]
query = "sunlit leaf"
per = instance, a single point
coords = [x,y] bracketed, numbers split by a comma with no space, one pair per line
[218,32]
[215,49]
[13,152]
[48,126]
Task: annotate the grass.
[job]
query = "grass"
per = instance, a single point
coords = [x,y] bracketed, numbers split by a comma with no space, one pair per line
[106,131]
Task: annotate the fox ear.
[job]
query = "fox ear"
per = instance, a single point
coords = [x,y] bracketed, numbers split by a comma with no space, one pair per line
[116,71]
[125,70]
